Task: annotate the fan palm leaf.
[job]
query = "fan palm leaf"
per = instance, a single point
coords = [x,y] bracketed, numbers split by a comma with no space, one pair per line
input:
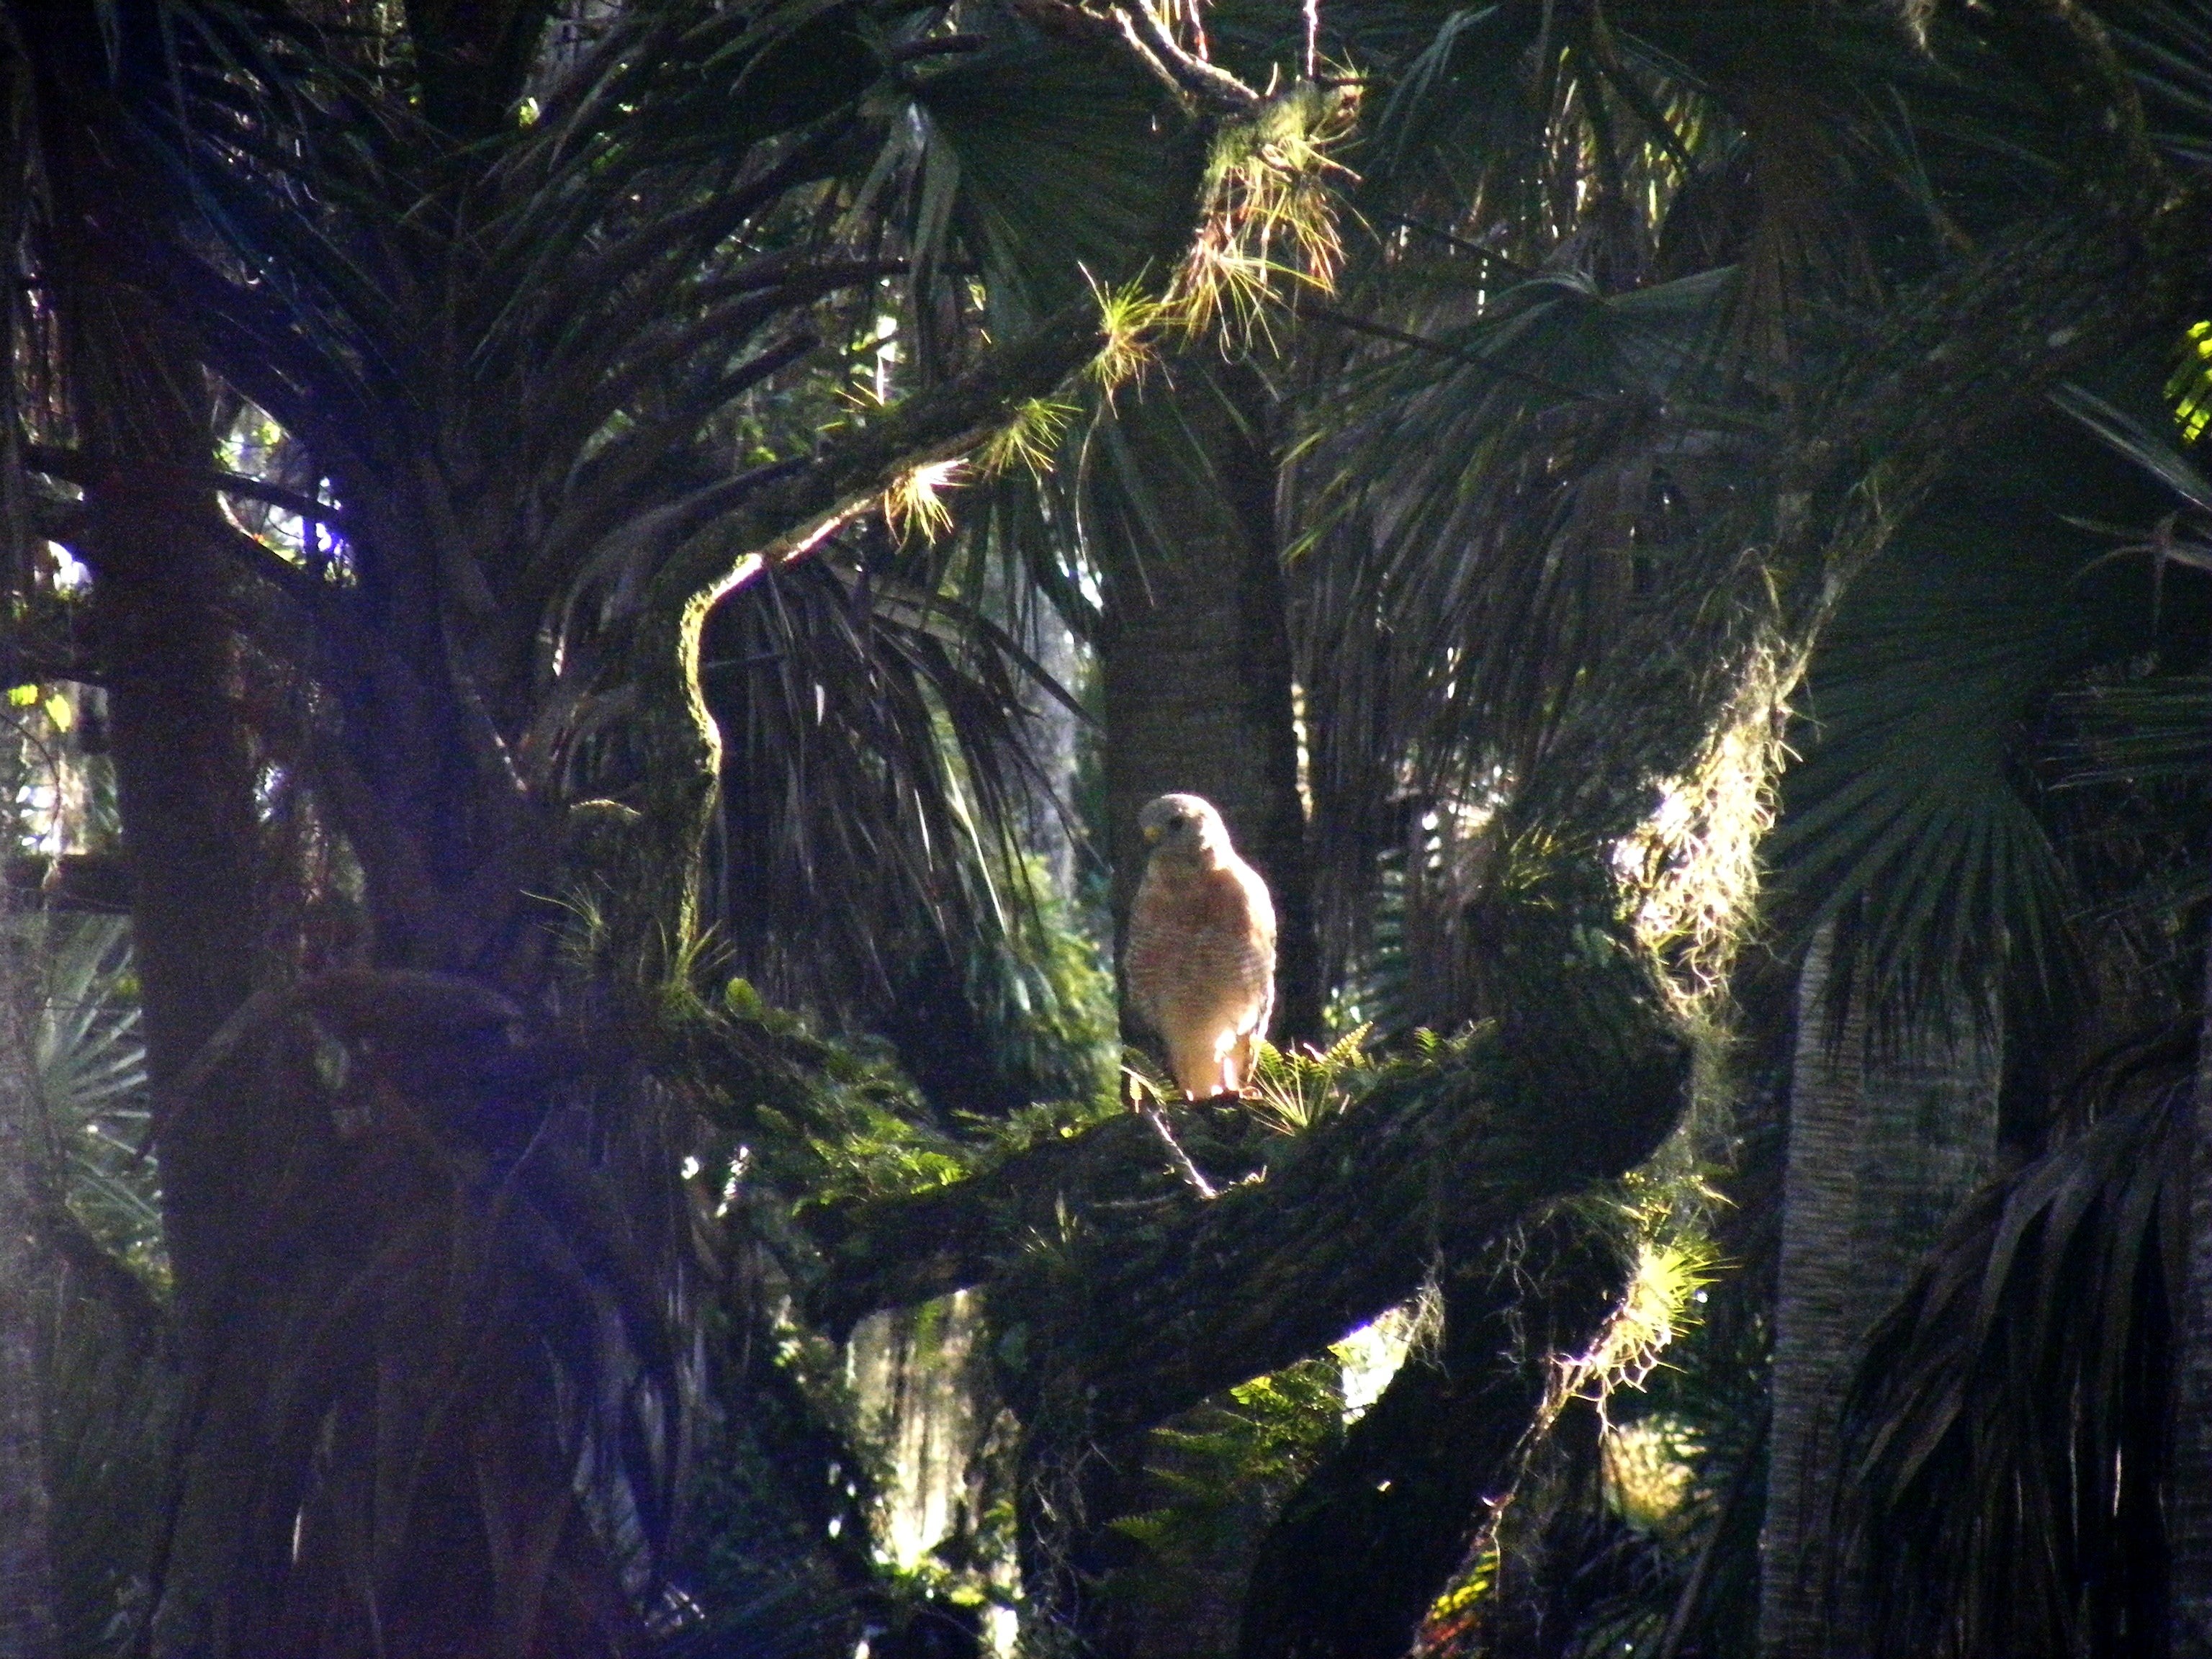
[91,1068]
[1930,811]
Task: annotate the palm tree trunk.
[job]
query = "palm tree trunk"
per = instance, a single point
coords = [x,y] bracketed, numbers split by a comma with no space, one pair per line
[184,783]
[2189,1498]
[1057,742]
[28,1626]
[1885,1142]
[184,776]
[1195,651]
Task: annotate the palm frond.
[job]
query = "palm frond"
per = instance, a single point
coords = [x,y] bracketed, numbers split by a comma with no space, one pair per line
[1905,814]
[862,717]
[2139,731]
[1964,688]
[1557,449]
[1053,171]
[2006,1433]
[91,1066]
[2164,46]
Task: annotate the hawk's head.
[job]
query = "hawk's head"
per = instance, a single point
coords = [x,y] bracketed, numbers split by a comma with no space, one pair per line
[1184,828]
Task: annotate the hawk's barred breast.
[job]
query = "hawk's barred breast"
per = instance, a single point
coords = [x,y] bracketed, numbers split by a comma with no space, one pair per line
[1200,956]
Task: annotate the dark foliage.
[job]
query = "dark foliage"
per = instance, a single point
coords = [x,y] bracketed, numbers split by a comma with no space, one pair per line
[2008,1431]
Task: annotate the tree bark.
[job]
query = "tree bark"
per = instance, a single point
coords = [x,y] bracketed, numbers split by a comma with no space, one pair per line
[185,784]
[1885,1142]
[185,780]
[1196,652]
[183,771]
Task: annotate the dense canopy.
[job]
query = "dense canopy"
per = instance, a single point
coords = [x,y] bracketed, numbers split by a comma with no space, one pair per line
[595,589]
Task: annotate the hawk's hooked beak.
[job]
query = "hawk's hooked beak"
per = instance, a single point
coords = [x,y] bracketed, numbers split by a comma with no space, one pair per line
[1152,833]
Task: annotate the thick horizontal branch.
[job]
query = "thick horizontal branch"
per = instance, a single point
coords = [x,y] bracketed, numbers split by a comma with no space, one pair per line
[1138,1322]
[897,1252]
[1112,1286]
[85,469]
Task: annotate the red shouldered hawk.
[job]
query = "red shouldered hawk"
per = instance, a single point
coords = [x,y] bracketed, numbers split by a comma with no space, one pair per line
[1201,959]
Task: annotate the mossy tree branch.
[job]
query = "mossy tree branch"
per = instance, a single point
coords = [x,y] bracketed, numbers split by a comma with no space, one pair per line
[1362,1550]
[1111,1283]
[1140,1322]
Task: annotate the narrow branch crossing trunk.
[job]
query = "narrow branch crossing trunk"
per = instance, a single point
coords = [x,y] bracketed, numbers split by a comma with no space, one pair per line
[1363,1549]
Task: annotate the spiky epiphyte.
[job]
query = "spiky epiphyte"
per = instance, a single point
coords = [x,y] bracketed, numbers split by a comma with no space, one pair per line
[1131,321]
[1267,211]
[1028,440]
[1691,871]
[915,505]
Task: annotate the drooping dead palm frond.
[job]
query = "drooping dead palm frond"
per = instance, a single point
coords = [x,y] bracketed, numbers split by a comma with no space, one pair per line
[2007,1432]
[872,774]
[1557,449]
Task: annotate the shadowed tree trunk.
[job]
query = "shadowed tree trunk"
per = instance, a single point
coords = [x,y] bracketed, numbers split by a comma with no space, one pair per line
[183,772]
[1885,1142]
[1194,650]
[184,776]
[1364,1547]
[184,794]
[185,780]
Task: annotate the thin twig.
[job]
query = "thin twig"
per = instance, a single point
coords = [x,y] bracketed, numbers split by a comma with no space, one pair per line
[1190,1171]
[1210,85]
